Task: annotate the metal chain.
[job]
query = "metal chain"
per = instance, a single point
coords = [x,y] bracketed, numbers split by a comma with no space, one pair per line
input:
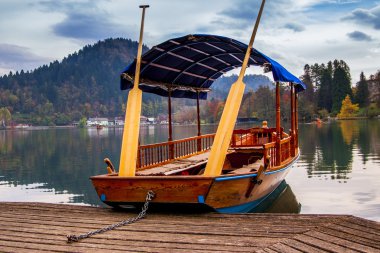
[149,197]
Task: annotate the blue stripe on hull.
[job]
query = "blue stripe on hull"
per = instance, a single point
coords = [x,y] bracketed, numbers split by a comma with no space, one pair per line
[244,208]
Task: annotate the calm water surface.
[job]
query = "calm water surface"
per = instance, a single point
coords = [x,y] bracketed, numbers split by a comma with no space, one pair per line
[338,171]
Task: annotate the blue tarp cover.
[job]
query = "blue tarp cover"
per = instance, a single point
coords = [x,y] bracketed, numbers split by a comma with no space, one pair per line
[194,62]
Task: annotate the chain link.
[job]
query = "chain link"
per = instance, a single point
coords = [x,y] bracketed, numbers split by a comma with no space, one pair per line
[149,197]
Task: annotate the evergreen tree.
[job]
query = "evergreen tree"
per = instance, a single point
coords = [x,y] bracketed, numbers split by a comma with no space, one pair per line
[362,93]
[264,103]
[341,84]
[315,74]
[325,86]
[306,79]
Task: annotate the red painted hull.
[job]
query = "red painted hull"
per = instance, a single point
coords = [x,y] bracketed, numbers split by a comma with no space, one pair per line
[222,193]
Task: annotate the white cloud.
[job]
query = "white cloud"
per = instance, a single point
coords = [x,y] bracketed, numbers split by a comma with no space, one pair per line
[47,28]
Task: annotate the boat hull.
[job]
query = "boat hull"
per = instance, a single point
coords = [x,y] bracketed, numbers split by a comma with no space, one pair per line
[224,194]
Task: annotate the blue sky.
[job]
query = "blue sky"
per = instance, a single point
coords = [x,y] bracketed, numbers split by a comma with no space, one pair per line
[294,32]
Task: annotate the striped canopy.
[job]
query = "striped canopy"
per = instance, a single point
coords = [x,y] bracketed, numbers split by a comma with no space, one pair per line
[187,66]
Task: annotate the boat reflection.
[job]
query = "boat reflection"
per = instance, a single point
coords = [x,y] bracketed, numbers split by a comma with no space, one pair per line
[281,200]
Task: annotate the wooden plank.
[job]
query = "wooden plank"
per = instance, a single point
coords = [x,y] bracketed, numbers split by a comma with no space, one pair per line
[155,237]
[267,250]
[321,244]
[28,227]
[244,229]
[350,237]
[339,241]
[10,249]
[363,222]
[355,232]
[303,247]
[93,246]
[110,241]
[361,227]
[283,248]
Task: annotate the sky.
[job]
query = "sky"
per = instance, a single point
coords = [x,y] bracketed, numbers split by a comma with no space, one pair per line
[293,32]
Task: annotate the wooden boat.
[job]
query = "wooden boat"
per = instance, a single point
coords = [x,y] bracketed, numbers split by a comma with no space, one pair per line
[230,171]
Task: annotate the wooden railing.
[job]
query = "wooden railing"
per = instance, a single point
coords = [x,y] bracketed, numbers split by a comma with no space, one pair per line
[252,137]
[270,154]
[158,154]
[285,148]
[161,153]
[270,151]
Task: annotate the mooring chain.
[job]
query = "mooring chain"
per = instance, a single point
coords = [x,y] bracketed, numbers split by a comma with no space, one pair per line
[149,197]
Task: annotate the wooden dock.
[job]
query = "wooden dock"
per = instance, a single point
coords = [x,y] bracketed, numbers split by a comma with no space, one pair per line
[36,227]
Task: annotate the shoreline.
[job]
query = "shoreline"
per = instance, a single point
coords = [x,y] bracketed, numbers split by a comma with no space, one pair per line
[154,125]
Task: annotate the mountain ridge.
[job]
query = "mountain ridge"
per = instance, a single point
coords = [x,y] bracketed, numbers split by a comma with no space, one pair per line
[86,84]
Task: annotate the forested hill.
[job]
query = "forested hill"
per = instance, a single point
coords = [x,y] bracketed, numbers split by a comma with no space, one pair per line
[85,84]
[222,85]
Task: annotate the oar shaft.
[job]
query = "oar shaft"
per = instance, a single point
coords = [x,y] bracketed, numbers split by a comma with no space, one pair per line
[139,50]
[227,122]
[129,146]
[248,52]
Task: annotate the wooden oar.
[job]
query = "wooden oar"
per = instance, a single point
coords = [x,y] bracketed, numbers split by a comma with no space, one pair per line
[231,109]
[129,146]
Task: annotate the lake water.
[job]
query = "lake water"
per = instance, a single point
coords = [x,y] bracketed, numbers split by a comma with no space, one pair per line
[338,171]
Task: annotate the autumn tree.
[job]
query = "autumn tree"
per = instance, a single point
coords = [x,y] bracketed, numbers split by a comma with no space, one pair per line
[5,116]
[348,109]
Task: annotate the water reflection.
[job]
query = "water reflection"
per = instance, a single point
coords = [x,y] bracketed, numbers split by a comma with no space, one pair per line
[60,160]
[282,200]
[338,171]
[328,150]
[339,168]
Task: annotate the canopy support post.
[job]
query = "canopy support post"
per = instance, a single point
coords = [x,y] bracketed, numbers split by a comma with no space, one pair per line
[296,118]
[170,136]
[227,122]
[292,121]
[278,125]
[129,145]
[199,144]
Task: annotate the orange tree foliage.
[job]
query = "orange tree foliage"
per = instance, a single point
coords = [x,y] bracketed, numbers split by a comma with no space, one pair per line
[348,109]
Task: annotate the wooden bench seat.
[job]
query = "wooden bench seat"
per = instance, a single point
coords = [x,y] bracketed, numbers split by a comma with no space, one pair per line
[251,168]
[176,166]
[247,149]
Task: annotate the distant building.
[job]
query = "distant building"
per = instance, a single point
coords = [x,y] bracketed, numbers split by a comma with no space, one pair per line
[111,122]
[119,121]
[143,120]
[151,120]
[97,122]
[147,121]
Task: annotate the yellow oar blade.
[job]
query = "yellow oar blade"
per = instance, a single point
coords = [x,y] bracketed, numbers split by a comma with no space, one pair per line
[225,129]
[131,131]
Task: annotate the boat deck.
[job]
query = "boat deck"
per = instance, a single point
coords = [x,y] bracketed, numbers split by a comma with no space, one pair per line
[188,163]
[176,165]
[36,227]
